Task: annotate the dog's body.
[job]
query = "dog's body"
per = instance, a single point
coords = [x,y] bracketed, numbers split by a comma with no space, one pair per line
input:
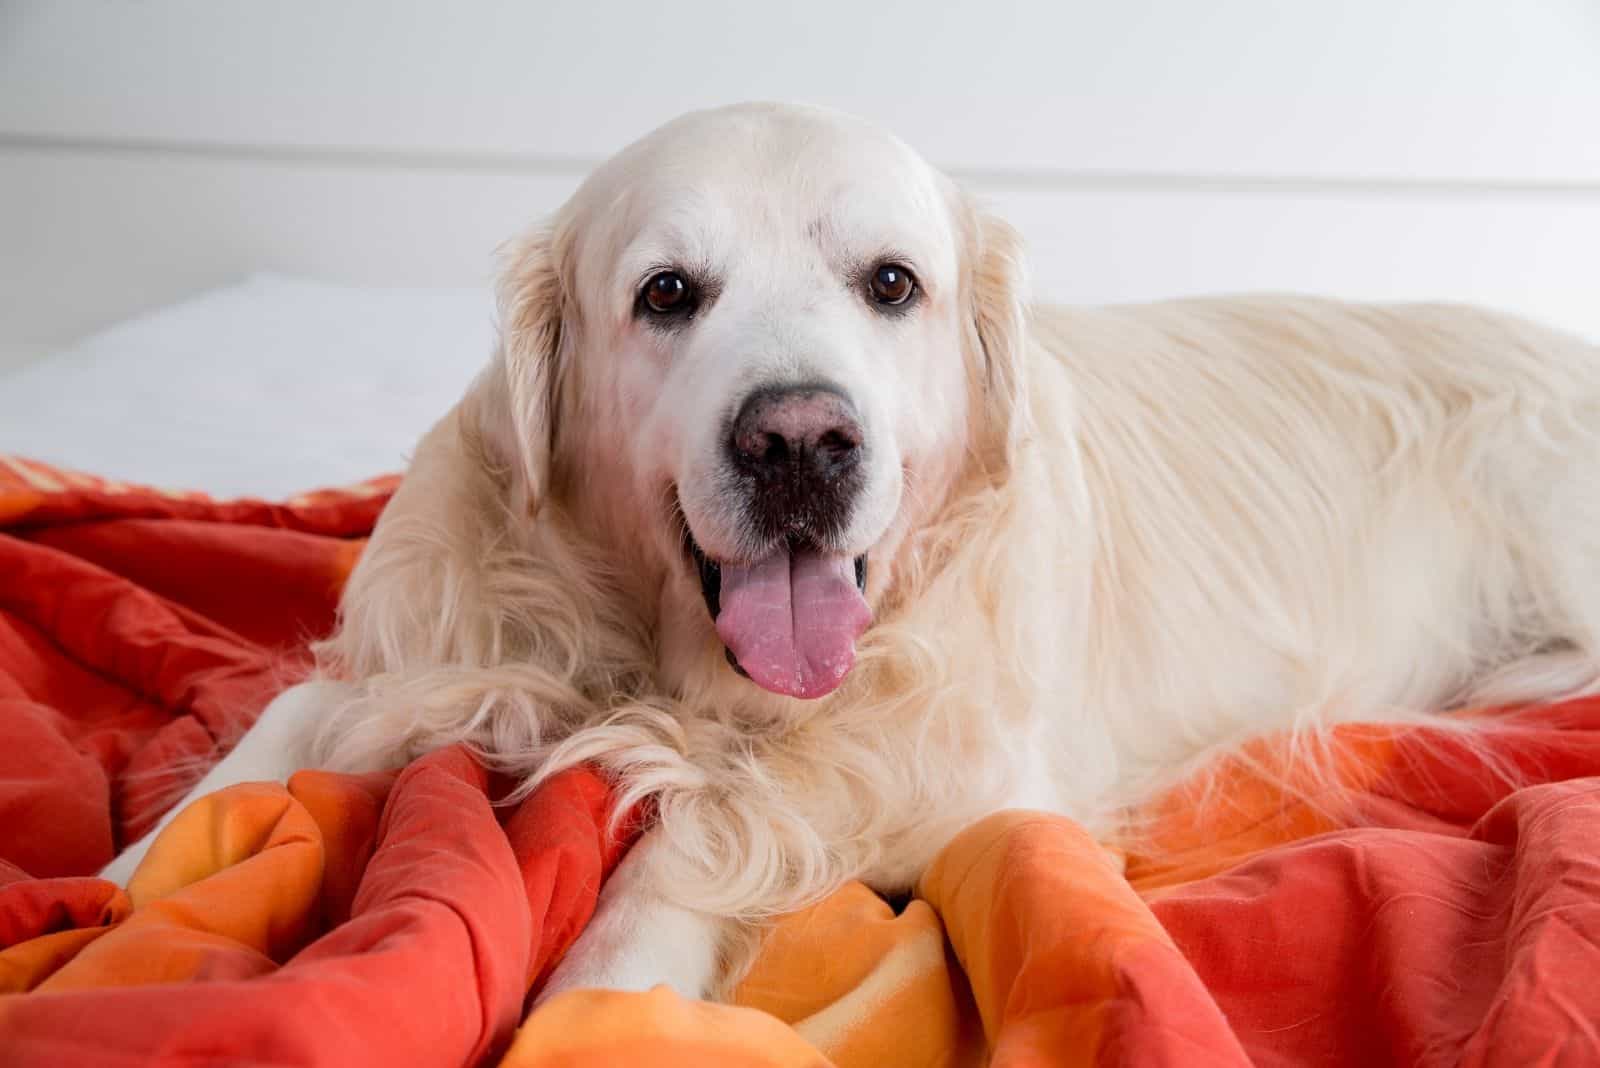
[1094,544]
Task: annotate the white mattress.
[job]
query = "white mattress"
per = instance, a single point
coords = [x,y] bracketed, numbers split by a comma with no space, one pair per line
[267,388]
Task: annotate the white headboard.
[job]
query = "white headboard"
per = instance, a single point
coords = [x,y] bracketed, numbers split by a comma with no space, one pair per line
[1426,149]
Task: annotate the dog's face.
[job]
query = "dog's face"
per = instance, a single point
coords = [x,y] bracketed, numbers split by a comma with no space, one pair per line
[759,340]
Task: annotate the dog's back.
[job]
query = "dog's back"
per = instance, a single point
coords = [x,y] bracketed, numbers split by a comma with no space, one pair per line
[1304,510]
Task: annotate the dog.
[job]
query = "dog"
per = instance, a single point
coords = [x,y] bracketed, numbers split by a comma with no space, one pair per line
[780,502]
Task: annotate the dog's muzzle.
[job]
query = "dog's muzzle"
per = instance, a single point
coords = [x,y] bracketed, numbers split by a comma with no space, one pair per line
[790,618]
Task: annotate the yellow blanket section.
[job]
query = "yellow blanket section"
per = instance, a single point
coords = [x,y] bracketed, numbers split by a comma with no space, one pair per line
[1036,913]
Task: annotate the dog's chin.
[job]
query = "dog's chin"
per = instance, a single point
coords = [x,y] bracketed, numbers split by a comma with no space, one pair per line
[788,620]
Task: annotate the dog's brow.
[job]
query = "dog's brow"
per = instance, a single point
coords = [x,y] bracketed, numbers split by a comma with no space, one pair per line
[680,227]
[822,231]
[666,247]
[854,235]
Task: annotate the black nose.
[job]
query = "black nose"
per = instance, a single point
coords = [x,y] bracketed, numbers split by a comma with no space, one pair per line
[801,450]
[812,428]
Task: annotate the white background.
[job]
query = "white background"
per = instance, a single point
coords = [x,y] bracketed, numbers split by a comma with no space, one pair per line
[1449,149]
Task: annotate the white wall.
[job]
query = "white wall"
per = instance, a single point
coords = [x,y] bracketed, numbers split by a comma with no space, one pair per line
[1378,148]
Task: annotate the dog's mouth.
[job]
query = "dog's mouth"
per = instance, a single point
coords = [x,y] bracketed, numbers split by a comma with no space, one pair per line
[788,621]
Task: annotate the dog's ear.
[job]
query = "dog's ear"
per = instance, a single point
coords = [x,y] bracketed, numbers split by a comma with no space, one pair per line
[998,286]
[416,596]
[513,409]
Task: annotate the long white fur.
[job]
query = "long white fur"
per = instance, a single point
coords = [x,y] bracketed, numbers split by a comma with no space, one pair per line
[1105,542]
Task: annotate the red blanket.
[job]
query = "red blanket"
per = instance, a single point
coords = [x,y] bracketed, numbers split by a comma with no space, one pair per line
[404,918]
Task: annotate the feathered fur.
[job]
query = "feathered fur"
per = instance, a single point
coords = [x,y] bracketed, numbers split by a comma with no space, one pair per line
[1131,537]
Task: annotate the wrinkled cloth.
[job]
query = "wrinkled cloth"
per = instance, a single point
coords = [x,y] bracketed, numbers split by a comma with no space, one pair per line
[1415,895]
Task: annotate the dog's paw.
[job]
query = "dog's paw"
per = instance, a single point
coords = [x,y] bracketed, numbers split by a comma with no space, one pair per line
[592,964]
[635,957]
[638,940]
[121,870]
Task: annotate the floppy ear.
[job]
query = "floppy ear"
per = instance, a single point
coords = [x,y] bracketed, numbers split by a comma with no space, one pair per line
[998,281]
[512,407]
[418,596]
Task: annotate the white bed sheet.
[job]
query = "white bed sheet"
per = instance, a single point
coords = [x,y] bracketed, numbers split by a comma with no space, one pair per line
[266,388]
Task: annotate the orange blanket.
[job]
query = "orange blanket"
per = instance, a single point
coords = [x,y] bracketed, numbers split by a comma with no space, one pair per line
[405,918]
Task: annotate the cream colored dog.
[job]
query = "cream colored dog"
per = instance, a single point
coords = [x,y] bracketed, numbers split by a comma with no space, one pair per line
[781,504]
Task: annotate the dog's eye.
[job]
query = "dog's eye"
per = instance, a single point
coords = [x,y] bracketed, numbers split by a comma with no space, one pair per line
[892,284]
[666,293]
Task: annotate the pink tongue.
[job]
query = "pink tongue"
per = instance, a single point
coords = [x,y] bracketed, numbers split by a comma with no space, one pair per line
[792,620]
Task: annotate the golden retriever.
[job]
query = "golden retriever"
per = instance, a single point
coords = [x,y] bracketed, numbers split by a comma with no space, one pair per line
[782,504]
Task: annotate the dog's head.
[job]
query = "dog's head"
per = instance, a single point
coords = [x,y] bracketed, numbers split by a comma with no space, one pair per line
[750,355]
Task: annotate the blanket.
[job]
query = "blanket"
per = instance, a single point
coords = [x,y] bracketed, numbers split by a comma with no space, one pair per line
[1430,896]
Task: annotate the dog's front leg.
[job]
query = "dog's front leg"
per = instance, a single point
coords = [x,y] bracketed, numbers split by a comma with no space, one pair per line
[639,938]
[273,749]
